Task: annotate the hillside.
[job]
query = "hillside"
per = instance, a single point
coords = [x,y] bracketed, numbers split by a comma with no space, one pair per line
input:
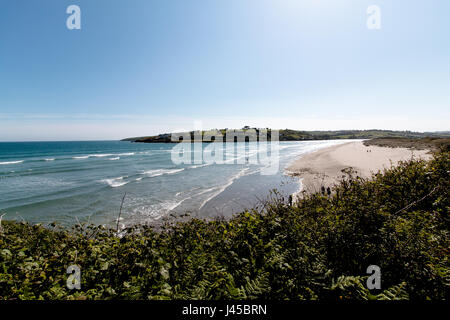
[295,135]
[428,143]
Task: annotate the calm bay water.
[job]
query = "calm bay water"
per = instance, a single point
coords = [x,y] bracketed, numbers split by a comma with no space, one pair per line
[85,181]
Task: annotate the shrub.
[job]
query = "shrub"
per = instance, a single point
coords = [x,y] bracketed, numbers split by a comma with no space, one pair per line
[316,248]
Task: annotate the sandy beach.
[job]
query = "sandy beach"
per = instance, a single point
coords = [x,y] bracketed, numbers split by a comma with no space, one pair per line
[323,167]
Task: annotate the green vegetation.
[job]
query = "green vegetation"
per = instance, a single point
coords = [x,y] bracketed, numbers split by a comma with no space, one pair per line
[295,135]
[318,248]
[430,143]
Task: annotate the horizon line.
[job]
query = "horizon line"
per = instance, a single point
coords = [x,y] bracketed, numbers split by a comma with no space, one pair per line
[151,135]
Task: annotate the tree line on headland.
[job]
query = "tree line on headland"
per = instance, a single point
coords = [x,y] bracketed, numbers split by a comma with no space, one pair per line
[294,135]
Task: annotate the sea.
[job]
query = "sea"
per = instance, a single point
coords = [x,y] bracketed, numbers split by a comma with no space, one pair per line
[86,182]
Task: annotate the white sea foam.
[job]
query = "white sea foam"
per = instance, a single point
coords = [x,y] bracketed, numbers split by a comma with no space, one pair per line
[12,162]
[100,155]
[112,159]
[200,166]
[171,205]
[160,172]
[209,190]
[115,182]
[222,188]
[50,159]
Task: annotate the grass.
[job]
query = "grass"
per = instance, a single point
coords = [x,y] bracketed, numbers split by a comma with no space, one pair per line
[429,143]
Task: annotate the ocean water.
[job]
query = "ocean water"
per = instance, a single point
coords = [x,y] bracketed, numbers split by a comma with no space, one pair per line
[67,182]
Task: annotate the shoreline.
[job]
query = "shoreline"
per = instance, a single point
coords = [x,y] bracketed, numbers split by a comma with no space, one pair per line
[176,250]
[323,168]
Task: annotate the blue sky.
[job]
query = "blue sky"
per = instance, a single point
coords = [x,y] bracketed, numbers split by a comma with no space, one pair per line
[142,67]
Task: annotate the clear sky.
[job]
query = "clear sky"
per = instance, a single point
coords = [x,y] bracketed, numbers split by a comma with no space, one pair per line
[140,67]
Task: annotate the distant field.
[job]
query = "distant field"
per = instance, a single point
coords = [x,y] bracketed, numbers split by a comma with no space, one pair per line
[433,144]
